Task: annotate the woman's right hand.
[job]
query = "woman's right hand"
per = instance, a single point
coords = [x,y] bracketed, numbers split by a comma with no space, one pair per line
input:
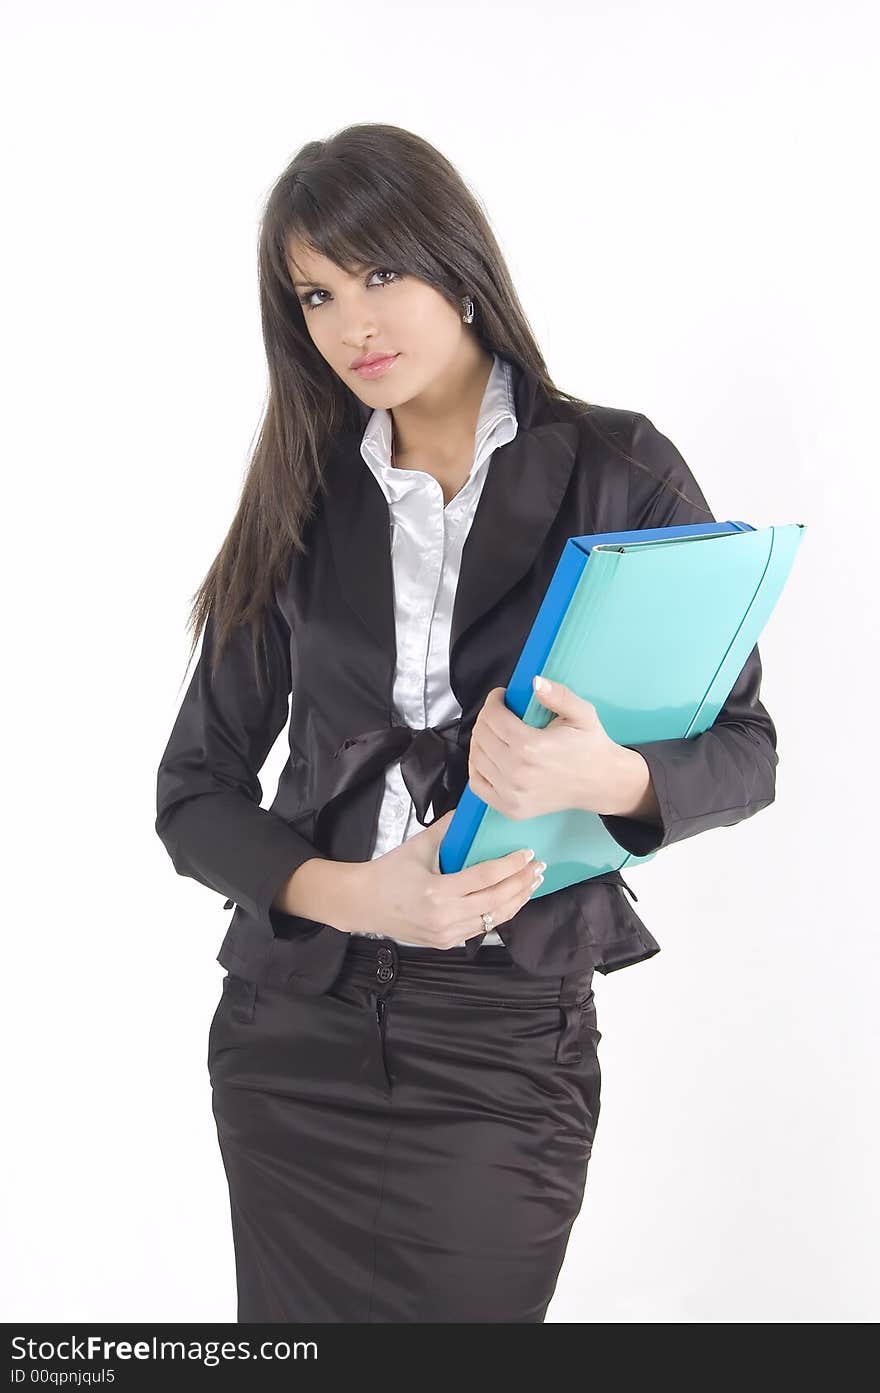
[406,895]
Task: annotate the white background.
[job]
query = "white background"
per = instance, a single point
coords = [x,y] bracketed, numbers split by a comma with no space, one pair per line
[684,195]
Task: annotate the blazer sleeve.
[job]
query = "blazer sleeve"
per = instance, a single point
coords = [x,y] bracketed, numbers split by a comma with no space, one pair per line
[208,790]
[728,772]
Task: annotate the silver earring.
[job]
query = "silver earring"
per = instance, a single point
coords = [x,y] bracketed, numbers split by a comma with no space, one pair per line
[468,306]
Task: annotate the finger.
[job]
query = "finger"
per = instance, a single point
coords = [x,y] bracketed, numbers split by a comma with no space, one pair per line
[494,752]
[484,789]
[485,874]
[502,902]
[499,896]
[496,714]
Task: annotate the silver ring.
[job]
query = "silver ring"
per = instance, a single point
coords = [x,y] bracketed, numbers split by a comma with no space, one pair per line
[488,921]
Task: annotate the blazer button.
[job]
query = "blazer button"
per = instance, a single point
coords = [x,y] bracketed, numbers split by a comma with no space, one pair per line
[384,955]
[385,974]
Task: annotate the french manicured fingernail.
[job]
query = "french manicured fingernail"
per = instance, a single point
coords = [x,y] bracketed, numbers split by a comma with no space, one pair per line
[539,880]
[529,856]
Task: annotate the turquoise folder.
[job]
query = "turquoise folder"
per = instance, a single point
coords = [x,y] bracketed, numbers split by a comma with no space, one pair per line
[653,627]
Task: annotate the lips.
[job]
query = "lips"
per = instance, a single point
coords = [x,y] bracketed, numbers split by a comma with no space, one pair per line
[370,359]
[377,366]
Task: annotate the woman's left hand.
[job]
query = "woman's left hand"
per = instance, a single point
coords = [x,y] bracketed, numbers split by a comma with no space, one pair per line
[524,771]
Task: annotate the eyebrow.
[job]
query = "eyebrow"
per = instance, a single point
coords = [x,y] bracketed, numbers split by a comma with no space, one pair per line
[363,267]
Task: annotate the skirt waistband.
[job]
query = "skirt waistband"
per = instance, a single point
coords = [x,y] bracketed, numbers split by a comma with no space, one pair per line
[383,965]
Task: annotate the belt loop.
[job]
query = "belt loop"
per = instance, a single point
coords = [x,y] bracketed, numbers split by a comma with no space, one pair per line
[568,1041]
[242,998]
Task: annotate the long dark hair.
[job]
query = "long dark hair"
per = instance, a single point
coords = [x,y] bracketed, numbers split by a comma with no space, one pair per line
[371,194]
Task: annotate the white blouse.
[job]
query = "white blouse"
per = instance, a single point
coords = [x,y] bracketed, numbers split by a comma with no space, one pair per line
[427,538]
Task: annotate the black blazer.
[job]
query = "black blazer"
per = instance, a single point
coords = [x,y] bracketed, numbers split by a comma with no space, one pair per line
[331,642]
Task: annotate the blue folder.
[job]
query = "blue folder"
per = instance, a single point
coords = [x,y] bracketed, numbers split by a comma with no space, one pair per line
[653,627]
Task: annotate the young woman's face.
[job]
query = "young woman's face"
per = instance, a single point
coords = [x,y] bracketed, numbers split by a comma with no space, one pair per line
[376,311]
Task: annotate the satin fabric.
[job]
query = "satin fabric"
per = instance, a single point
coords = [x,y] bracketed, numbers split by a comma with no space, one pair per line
[410,1146]
[431,763]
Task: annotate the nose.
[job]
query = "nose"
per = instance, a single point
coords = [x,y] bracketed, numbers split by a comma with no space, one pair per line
[359,339]
[358,328]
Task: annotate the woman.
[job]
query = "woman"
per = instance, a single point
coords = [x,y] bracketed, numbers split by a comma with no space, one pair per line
[404,1063]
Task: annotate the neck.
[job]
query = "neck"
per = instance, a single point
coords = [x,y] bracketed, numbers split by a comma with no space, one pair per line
[440,424]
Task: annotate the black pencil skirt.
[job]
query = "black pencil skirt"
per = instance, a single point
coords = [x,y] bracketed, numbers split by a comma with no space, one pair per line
[413,1144]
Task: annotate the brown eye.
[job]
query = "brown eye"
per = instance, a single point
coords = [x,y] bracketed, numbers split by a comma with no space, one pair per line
[306,300]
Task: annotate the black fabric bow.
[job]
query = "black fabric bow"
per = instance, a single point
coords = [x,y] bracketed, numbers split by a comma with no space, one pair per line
[432,762]
[433,765]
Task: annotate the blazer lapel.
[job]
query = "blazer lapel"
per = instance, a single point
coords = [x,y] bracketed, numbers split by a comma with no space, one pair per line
[521,497]
[359,527]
